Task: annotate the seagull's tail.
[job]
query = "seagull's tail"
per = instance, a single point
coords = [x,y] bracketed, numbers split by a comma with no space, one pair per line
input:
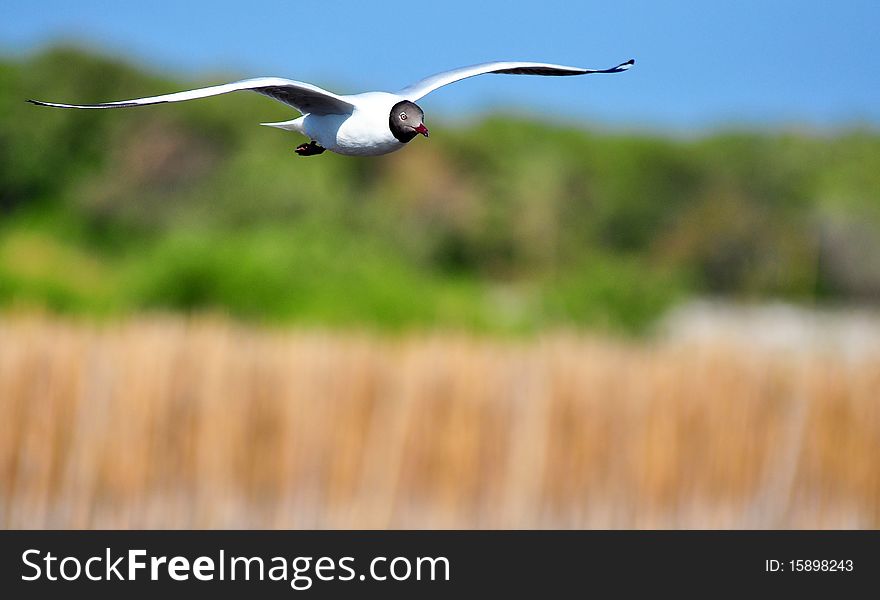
[294,125]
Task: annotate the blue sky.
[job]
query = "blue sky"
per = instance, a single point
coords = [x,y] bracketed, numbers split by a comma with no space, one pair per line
[699,64]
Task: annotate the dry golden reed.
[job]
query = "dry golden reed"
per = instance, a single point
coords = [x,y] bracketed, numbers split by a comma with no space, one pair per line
[173,422]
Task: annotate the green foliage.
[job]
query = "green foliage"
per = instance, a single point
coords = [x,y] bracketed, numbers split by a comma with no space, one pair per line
[504,225]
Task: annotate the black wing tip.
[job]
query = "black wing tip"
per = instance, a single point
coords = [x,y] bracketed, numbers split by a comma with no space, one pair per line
[622,67]
[106,105]
[41,103]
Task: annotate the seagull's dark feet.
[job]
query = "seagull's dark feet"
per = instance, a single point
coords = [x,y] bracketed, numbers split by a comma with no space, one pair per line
[310,149]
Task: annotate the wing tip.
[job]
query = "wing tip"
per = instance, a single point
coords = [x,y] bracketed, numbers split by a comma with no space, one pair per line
[121,104]
[624,66]
[49,104]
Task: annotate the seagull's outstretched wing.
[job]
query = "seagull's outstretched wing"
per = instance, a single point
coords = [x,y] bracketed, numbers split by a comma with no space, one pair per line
[429,84]
[304,97]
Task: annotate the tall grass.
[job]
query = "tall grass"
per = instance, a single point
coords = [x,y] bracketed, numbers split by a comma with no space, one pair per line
[173,422]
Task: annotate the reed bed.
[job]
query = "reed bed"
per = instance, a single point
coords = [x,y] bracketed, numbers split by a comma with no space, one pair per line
[172,422]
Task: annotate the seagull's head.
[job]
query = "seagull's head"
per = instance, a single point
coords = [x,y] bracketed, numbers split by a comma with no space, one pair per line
[406,121]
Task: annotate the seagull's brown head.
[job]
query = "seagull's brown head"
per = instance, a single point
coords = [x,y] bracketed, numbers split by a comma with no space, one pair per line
[406,121]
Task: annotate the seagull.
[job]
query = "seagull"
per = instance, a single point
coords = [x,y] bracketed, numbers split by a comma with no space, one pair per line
[368,124]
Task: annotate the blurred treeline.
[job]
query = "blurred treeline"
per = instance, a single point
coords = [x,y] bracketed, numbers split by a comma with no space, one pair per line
[499,224]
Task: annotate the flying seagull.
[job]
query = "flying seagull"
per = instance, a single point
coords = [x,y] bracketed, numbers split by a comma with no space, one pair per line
[365,124]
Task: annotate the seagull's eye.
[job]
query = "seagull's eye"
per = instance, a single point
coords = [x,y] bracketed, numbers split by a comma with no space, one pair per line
[403,116]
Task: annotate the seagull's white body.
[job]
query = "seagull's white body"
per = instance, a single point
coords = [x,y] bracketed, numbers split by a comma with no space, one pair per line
[363,132]
[356,124]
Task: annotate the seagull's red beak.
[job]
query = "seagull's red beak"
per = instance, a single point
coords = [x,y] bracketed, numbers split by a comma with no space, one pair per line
[422,129]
